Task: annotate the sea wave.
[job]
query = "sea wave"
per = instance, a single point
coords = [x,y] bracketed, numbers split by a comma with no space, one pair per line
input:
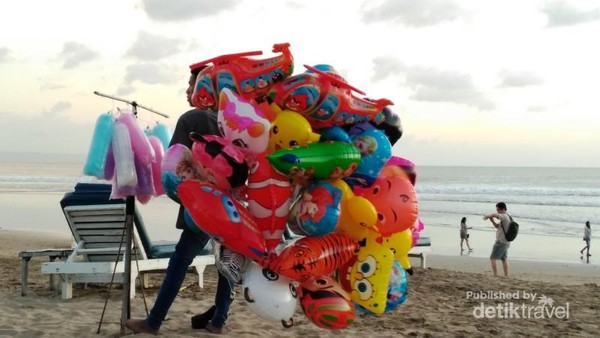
[504,190]
[40,184]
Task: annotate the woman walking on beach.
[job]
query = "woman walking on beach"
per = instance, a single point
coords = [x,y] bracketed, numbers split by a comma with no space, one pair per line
[464,235]
[587,236]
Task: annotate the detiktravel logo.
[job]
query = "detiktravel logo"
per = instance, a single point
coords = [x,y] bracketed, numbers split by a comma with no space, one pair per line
[516,304]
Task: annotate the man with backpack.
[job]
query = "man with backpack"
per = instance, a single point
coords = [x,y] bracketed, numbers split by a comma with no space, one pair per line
[505,232]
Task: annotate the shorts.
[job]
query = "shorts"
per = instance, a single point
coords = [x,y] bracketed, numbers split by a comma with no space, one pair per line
[463,236]
[499,251]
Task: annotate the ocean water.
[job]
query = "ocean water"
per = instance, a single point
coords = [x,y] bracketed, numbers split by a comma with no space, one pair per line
[550,203]
[544,201]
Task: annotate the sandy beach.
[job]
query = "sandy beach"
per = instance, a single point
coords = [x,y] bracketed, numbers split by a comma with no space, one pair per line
[448,298]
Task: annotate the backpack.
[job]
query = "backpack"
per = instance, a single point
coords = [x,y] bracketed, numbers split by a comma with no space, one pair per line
[513,230]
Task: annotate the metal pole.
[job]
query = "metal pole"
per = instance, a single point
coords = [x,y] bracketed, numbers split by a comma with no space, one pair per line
[131,103]
[126,302]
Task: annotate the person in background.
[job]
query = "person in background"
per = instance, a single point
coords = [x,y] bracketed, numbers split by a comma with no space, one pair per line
[587,237]
[500,221]
[190,244]
[464,234]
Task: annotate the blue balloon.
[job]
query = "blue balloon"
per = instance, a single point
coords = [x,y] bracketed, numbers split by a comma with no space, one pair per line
[316,211]
[101,140]
[375,150]
[170,182]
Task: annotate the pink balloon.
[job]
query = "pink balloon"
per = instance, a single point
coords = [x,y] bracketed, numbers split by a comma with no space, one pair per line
[156,144]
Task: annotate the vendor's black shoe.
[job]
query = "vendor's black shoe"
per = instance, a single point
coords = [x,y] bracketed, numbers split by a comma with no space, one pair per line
[200,321]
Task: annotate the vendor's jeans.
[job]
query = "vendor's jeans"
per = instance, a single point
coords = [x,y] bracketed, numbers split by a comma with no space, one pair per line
[188,247]
[223,299]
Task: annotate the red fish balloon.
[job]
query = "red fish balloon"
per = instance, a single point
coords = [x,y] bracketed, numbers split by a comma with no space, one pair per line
[222,217]
[269,194]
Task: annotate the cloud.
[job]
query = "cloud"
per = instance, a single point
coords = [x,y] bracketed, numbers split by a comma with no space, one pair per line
[562,14]
[59,107]
[183,10]
[445,86]
[44,133]
[149,47]
[385,67]
[519,79]
[75,53]
[5,55]
[150,73]
[413,13]
[125,90]
[537,109]
[52,86]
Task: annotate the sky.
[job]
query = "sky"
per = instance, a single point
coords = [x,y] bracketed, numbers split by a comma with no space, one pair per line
[475,82]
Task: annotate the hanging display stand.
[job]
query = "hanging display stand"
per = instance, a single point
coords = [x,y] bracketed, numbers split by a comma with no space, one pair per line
[128,233]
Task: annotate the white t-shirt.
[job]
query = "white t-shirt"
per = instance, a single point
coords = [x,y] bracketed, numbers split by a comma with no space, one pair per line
[504,222]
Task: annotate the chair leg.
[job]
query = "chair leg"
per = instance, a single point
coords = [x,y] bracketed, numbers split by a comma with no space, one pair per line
[66,288]
[200,272]
[134,276]
[24,275]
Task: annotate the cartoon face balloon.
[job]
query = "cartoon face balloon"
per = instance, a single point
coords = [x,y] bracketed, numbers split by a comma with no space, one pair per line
[397,290]
[242,123]
[326,303]
[367,277]
[270,295]
[396,202]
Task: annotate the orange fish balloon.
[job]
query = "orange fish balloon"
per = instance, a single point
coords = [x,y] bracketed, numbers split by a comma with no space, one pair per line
[312,256]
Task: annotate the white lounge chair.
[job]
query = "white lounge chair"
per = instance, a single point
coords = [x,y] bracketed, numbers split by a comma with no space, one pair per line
[98,233]
[420,250]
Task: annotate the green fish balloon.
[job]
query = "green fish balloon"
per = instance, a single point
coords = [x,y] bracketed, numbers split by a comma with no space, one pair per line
[319,160]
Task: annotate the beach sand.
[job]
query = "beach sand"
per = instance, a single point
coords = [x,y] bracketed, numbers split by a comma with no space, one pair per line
[441,302]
